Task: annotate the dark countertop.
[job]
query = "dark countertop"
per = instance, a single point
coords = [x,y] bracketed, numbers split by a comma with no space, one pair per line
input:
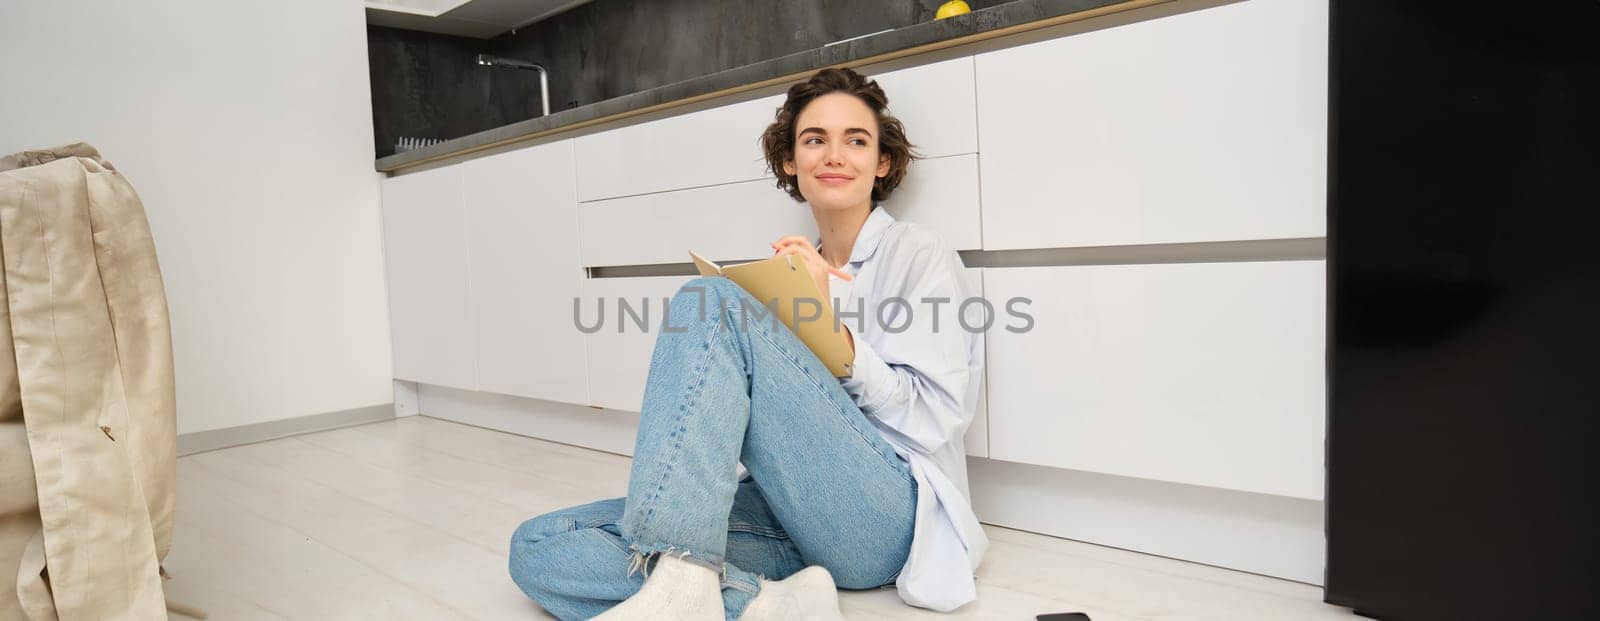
[1009,18]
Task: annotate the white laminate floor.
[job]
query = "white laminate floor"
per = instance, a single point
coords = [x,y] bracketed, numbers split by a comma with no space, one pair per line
[411,519]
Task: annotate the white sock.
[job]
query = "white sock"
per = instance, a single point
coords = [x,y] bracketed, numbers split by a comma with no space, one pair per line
[676,589]
[808,595]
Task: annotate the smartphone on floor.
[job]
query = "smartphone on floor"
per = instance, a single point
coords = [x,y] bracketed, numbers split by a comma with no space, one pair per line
[1063,616]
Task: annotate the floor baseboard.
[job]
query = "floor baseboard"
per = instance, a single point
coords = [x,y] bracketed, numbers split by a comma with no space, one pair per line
[202,441]
[1262,534]
[611,431]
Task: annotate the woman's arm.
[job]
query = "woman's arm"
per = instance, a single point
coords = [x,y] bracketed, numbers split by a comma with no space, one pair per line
[916,380]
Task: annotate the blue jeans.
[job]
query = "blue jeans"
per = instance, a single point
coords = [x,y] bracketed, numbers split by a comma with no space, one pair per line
[730,384]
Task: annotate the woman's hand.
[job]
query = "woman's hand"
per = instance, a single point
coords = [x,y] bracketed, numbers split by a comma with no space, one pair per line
[801,248]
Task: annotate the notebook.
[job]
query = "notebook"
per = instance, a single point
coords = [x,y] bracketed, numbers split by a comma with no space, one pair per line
[785,279]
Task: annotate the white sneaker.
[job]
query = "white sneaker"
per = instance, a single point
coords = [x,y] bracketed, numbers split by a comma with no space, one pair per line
[678,590]
[808,595]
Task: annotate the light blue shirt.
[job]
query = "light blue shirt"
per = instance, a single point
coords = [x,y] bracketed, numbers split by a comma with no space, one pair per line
[920,387]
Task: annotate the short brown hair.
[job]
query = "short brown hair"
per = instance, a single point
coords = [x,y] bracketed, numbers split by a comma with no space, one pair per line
[778,142]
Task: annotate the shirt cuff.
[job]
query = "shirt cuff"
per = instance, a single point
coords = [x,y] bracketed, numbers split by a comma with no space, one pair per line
[871,381]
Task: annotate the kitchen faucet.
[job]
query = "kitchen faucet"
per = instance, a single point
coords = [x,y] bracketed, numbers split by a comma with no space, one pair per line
[544,82]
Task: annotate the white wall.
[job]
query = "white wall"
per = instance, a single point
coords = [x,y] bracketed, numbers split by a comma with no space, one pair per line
[246,128]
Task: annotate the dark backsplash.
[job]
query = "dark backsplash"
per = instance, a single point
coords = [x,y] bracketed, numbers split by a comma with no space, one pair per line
[428,85]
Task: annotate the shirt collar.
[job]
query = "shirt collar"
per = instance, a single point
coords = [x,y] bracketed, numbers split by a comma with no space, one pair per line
[870,235]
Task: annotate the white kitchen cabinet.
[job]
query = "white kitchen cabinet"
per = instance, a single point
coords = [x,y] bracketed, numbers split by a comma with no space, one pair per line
[521,239]
[690,150]
[1204,373]
[942,194]
[737,221]
[936,105]
[1207,125]
[720,145]
[425,255]
[724,222]
[618,361]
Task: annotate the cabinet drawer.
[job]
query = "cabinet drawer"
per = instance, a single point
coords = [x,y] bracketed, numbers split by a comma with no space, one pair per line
[737,221]
[1202,126]
[942,194]
[691,150]
[936,104]
[1207,374]
[425,255]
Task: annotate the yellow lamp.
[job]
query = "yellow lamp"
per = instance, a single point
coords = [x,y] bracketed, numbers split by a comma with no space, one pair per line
[952,8]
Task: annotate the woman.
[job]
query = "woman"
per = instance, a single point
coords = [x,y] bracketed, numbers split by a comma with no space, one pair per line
[857,481]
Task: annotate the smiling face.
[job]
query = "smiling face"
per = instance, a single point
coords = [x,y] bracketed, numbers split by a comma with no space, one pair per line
[836,156]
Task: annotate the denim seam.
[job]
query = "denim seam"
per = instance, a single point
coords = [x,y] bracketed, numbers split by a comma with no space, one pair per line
[799,366]
[741,585]
[684,408]
[764,531]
